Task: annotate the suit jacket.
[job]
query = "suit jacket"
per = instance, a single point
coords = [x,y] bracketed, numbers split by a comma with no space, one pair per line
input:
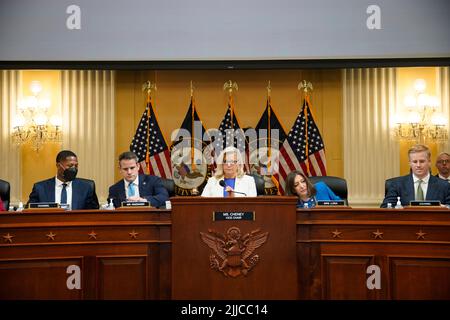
[403,187]
[150,188]
[245,184]
[83,195]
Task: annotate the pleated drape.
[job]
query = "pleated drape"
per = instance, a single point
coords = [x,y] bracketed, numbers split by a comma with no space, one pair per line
[89,124]
[371,155]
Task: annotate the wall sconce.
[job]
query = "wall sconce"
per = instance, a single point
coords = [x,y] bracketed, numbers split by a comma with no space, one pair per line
[33,124]
[421,123]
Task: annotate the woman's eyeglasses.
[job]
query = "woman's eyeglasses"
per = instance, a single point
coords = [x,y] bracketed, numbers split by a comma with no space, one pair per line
[230,162]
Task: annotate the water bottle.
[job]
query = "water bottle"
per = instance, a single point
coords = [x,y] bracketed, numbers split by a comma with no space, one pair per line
[398,205]
[305,205]
[111,205]
[20,208]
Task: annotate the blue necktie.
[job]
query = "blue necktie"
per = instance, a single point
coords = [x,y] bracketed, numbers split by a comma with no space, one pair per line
[64,193]
[130,190]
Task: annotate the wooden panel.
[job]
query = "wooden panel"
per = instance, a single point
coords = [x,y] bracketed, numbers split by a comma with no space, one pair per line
[420,278]
[29,279]
[345,277]
[411,247]
[118,249]
[122,277]
[196,268]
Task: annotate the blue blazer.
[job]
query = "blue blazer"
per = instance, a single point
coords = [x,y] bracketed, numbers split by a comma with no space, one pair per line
[403,187]
[83,195]
[323,192]
[150,188]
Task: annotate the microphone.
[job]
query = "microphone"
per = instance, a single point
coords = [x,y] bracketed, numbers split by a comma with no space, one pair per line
[222,183]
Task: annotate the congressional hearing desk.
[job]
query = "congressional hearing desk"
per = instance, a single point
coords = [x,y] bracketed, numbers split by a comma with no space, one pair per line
[340,253]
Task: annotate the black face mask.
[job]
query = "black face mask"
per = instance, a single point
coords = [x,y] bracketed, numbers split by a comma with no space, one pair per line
[70,173]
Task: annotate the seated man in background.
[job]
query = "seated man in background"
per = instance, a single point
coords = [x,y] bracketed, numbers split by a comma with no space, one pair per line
[135,186]
[419,184]
[297,184]
[443,166]
[65,188]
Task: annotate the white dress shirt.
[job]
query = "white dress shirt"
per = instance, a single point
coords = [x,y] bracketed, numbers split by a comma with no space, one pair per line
[448,179]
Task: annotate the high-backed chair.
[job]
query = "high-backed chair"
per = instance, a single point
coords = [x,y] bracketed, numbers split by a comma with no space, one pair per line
[169,184]
[388,183]
[5,190]
[337,184]
[92,184]
[259,181]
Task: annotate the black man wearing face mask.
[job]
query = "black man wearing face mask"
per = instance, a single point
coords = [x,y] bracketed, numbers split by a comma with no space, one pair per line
[65,188]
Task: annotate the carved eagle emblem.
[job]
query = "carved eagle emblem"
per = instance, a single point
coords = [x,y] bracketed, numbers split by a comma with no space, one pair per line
[232,252]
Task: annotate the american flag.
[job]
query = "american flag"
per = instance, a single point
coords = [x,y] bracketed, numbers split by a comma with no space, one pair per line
[150,146]
[303,149]
[227,130]
[269,122]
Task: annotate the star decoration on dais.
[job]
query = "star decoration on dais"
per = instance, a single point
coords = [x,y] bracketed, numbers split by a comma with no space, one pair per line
[420,235]
[337,234]
[92,235]
[51,236]
[8,238]
[378,234]
[133,234]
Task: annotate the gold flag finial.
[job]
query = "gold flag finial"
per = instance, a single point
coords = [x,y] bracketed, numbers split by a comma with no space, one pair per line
[306,86]
[149,86]
[230,85]
[192,89]
[269,89]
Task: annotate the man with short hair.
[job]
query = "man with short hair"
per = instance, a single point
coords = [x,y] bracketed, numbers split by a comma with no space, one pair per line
[419,184]
[443,166]
[66,188]
[135,186]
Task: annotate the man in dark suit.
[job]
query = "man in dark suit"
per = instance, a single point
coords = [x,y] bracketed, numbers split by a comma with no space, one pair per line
[419,184]
[443,166]
[65,188]
[135,186]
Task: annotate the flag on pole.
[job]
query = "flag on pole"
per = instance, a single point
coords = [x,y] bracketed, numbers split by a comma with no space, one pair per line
[189,166]
[150,146]
[264,156]
[231,133]
[303,149]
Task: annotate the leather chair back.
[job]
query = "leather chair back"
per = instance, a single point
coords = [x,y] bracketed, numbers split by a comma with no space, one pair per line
[92,184]
[5,190]
[259,181]
[169,184]
[337,184]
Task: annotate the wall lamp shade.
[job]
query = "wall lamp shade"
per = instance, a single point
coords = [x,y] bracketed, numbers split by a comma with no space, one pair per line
[32,123]
[421,122]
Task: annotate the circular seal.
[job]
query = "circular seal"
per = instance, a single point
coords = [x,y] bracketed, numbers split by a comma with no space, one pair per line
[189,168]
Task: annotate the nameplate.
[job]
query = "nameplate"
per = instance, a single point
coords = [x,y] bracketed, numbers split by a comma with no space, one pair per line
[330,203]
[43,205]
[234,215]
[135,204]
[426,203]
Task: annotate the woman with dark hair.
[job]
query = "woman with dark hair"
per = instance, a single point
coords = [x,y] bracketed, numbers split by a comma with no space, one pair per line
[297,184]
